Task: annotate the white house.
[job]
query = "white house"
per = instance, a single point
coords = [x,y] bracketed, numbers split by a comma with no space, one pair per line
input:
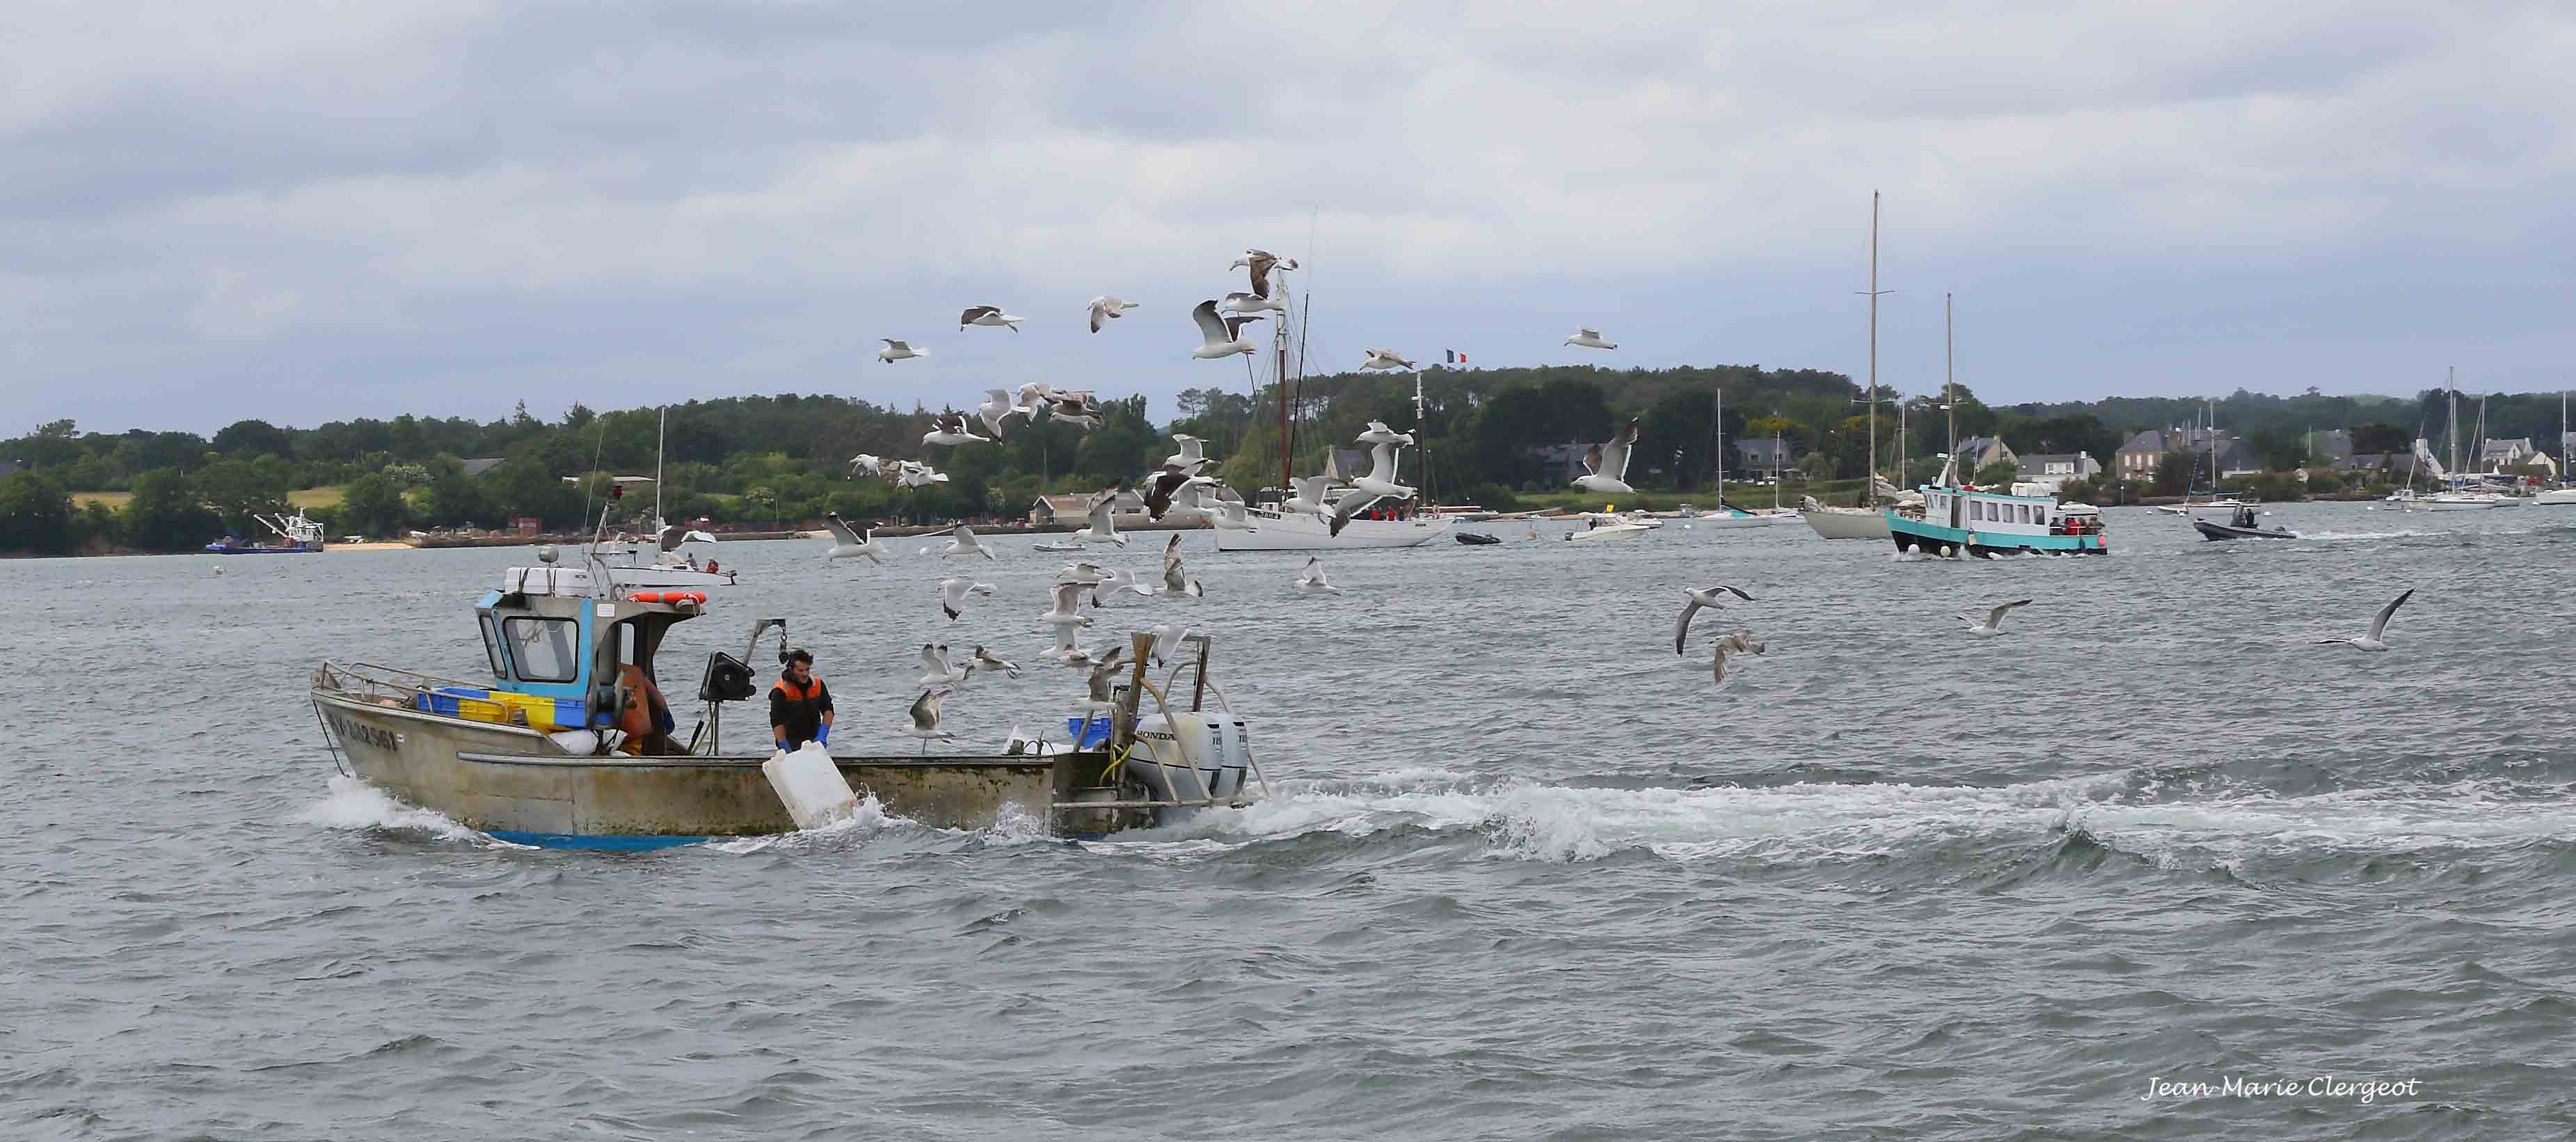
[2054,470]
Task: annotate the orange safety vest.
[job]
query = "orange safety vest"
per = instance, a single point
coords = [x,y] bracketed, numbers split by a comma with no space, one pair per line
[643,704]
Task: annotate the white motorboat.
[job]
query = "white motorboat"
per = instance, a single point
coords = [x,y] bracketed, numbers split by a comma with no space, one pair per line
[1055,546]
[2556,497]
[1598,527]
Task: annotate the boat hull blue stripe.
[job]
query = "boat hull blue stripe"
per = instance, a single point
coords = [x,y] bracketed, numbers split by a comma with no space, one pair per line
[612,842]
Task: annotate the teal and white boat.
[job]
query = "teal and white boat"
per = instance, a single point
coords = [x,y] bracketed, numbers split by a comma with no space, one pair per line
[1966,521]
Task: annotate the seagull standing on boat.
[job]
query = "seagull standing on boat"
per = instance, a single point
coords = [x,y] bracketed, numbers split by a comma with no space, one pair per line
[935,670]
[990,316]
[1104,519]
[925,718]
[1312,578]
[1219,337]
[1174,582]
[1606,465]
[2378,626]
[962,541]
[849,543]
[1736,643]
[1386,359]
[1698,599]
[952,595]
[951,428]
[1590,339]
[898,351]
[1994,624]
[985,660]
[1105,308]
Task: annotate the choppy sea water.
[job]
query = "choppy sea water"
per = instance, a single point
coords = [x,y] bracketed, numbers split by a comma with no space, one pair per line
[1529,874]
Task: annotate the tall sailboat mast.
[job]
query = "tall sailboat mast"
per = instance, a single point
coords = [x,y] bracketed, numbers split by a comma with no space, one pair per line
[1869,495]
[1279,347]
[1950,382]
[660,434]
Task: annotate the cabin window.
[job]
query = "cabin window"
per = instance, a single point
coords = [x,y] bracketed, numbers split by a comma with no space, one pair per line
[544,648]
[492,649]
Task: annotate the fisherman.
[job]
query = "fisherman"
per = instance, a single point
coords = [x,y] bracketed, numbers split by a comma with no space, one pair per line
[800,709]
[643,716]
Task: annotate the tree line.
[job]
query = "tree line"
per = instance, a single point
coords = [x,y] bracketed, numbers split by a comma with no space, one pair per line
[748,460]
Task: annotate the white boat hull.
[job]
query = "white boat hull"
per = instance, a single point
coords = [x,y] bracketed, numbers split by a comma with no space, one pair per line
[1298,531]
[1607,532]
[2559,497]
[1847,523]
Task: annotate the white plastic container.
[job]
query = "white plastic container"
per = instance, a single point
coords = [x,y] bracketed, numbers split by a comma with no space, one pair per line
[810,786]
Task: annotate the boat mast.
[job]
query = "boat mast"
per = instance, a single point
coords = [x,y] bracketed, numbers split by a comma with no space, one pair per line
[1279,345]
[659,435]
[2451,381]
[1950,383]
[1869,493]
[1717,434]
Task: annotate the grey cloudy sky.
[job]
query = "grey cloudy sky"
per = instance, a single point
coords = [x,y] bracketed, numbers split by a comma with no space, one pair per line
[310,211]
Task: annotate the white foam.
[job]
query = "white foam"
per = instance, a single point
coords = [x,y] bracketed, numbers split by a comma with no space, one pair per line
[1817,823]
[352,804]
[866,819]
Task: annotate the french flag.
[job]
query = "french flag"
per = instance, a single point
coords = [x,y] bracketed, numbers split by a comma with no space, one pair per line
[1455,357]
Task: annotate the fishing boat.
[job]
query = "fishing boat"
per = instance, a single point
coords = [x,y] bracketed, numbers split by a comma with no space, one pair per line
[296,535]
[1966,521]
[569,743]
[2241,526]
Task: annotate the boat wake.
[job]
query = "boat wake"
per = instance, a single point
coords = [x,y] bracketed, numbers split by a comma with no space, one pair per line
[352,805]
[1811,824]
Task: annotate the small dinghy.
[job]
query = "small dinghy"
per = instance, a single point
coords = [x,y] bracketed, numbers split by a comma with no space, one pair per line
[1473,539]
[2240,526]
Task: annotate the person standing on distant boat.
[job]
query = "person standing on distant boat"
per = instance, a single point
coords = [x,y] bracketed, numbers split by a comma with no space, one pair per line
[800,709]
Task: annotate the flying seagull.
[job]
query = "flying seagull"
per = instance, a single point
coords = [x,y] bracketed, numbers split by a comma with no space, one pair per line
[1168,486]
[1312,578]
[1219,337]
[1310,495]
[1698,599]
[1994,624]
[951,428]
[1260,263]
[1068,648]
[850,543]
[1067,611]
[2378,625]
[1174,582]
[1241,302]
[1104,520]
[935,670]
[1191,457]
[984,660]
[925,718]
[867,464]
[898,351]
[913,474]
[1106,308]
[1736,643]
[953,592]
[1167,636]
[997,407]
[990,315]
[1077,407]
[1121,579]
[1104,675]
[962,541]
[1386,359]
[1589,339]
[1032,400]
[1606,465]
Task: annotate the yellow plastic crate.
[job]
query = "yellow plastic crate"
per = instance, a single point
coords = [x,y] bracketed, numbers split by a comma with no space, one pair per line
[541,714]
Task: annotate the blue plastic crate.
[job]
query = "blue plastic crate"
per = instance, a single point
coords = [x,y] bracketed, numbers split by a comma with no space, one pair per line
[1088,737]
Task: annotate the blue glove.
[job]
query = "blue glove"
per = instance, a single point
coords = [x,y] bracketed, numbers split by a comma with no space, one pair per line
[822,735]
